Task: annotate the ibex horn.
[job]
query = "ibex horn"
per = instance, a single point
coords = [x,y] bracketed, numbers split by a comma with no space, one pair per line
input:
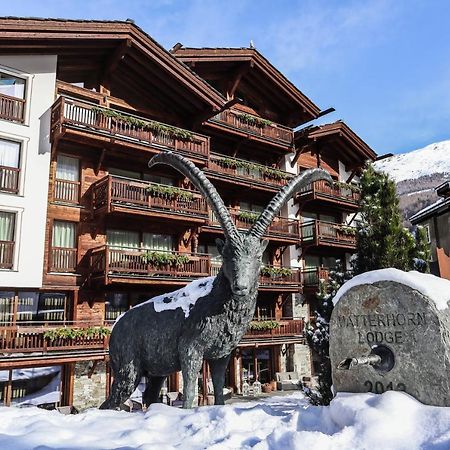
[288,191]
[198,179]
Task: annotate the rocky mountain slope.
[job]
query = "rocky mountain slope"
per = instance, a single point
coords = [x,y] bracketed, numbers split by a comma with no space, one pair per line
[416,174]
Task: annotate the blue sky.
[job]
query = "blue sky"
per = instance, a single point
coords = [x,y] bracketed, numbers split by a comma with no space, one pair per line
[383,64]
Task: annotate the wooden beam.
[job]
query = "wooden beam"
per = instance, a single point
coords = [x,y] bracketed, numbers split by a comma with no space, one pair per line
[115,59]
[235,79]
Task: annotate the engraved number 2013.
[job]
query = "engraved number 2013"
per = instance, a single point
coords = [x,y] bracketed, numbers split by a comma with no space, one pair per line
[378,387]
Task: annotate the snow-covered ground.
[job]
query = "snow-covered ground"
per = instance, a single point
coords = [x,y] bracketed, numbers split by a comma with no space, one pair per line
[390,421]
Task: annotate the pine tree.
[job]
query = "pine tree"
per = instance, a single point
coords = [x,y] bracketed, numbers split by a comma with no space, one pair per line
[318,336]
[382,241]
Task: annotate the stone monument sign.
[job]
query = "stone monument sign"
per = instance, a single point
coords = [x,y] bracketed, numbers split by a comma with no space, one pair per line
[387,335]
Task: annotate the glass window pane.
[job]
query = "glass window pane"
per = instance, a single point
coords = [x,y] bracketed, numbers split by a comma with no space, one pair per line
[6,307]
[27,306]
[51,307]
[7,223]
[12,86]
[312,261]
[157,241]
[122,239]
[308,216]
[67,168]
[327,218]
[159,179]
[9,153]
[116,303]
[63,234]
[124,173]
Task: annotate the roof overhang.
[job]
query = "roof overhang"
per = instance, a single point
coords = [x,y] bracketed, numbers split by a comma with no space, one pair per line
[245,69]
[114,52]
[338,138]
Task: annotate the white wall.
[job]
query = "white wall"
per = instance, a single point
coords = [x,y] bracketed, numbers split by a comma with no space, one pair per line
[31,203]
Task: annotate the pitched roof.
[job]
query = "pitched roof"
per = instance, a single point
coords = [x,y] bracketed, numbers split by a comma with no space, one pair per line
[90,43]
[228,60]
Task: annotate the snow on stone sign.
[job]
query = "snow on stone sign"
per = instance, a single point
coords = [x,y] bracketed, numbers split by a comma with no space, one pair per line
[390,330]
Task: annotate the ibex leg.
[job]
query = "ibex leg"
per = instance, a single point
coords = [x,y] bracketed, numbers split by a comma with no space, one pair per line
[218,368]
[151,393]
[191,363]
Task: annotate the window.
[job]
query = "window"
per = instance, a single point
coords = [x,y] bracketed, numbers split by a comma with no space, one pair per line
[67,183]
[159,179]
[12,97]
[124,173]
[427,233]
[27,306]
[6,307]
[52,307]
[9,165]
[157,241]
[7,230]
[64,251]
[116,304]
[246,206]
[122,239]
[12,86]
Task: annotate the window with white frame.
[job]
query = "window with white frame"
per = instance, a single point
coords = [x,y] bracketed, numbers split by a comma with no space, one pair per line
[9,165]
[7,233]
[12,86]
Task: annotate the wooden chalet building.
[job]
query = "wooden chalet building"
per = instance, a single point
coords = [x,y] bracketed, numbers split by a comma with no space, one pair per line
[115,233]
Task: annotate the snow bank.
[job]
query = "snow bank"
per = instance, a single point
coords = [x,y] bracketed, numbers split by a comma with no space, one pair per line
[437,289]
[393,421]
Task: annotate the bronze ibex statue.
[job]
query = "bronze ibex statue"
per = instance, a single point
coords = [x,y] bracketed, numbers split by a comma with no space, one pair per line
[154,342]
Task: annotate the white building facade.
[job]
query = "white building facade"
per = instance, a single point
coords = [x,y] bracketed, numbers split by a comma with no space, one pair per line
[27,91]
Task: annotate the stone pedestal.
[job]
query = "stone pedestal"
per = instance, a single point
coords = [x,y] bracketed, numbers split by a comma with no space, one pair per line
[405,335]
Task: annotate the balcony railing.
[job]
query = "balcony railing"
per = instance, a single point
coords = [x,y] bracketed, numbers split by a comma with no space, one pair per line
[30,338]
[12,108]
[317,232]
[63,259]
[337,193]
[6,254]
[313,276]
[248,171]
[255,126]
[111,191]
[281,227]
[9,179]
[271,276]
[287,327]
[110,262]
[91,118]
[67,191]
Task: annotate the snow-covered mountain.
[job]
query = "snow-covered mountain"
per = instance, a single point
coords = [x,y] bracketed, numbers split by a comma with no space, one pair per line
[416,174]
[430,160]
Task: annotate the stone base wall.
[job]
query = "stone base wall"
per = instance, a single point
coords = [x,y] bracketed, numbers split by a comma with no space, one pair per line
[89,385]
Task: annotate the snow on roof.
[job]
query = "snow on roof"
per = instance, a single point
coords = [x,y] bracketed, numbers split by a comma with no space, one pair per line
[437,289]
[430,208]
[393,420]
[183,298]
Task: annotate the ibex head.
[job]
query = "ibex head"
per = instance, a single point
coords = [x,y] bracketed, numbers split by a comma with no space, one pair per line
[241,251]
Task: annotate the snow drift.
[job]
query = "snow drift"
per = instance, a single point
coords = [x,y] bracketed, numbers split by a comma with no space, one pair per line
[393,421]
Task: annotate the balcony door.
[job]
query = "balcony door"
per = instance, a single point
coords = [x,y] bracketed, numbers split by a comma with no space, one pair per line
[12,86]
[157,242]
[67,183]
[9,165]
[64,248]
[7,231]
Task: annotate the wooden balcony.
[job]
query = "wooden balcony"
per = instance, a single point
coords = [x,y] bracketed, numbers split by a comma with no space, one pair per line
[124,195]
[319,233]
[9,179]
[247,125]
[66,191]
[6,254]
[12,108]
[247,173]
[313,276]
[63,260]
[110,265]
[86,122]
[272,278]
[29,340]
[288,331]
[347,198]
[281,229]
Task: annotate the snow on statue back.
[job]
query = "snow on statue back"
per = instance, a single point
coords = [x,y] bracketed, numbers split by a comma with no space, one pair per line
[390,330]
